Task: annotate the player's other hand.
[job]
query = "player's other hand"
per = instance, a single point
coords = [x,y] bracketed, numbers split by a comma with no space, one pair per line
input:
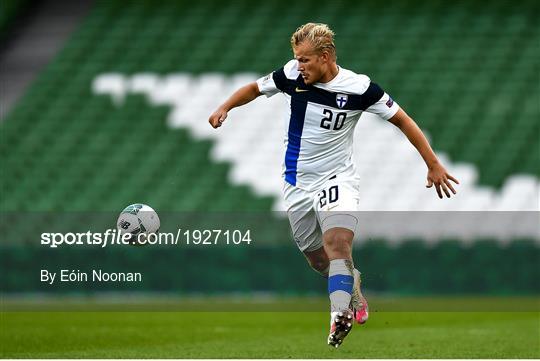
[438,176]
[217,118]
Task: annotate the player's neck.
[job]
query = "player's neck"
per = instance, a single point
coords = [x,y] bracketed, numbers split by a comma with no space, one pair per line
[330,74]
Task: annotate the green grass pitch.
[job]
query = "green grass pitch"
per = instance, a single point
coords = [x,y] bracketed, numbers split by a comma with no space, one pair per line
[277,334]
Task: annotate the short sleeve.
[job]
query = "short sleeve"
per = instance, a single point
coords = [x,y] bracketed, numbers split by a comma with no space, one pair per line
[267,85]
[278,80]
[385,107]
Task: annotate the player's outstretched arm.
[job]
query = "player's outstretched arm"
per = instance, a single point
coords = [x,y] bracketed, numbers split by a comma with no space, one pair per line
[437,174]
[240,97]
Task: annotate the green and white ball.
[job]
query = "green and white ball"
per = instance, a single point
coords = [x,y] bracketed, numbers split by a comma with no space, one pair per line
[139,220]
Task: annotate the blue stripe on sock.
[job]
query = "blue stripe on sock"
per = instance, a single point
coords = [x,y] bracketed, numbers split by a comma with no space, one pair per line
[340,283]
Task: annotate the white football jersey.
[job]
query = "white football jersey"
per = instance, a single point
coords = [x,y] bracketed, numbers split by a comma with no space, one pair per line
[320,121]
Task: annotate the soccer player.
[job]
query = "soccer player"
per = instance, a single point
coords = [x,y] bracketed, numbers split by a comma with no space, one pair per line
[321,188]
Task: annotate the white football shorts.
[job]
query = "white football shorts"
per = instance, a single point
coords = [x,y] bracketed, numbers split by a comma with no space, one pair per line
[313,213]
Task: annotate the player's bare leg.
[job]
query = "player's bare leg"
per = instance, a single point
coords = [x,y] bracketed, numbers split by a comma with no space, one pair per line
[338,247]
[318,260]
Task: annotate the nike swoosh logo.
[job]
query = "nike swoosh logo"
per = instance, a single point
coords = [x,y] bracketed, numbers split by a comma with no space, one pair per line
[298,90]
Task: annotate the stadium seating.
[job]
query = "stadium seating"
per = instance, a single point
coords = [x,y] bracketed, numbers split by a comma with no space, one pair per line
[459,74]
[120,116]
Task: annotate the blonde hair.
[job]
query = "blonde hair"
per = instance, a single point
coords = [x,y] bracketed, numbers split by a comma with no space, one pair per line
[319,35]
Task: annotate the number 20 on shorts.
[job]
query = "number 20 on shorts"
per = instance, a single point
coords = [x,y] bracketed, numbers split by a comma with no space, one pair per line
[328,196]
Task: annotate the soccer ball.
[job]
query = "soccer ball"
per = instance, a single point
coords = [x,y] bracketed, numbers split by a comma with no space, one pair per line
[139,220]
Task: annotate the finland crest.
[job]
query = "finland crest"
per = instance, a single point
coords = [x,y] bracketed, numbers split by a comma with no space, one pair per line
[341,100]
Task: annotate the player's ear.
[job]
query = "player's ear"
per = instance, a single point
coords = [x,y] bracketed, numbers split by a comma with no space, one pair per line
[325,55]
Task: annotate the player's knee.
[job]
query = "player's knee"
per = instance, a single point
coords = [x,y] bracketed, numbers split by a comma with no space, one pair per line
[339,241]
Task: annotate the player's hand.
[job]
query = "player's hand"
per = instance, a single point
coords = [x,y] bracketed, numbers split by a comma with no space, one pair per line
[217,118]
[438,176]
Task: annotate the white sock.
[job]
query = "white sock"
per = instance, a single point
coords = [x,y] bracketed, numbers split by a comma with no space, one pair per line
[340,284]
